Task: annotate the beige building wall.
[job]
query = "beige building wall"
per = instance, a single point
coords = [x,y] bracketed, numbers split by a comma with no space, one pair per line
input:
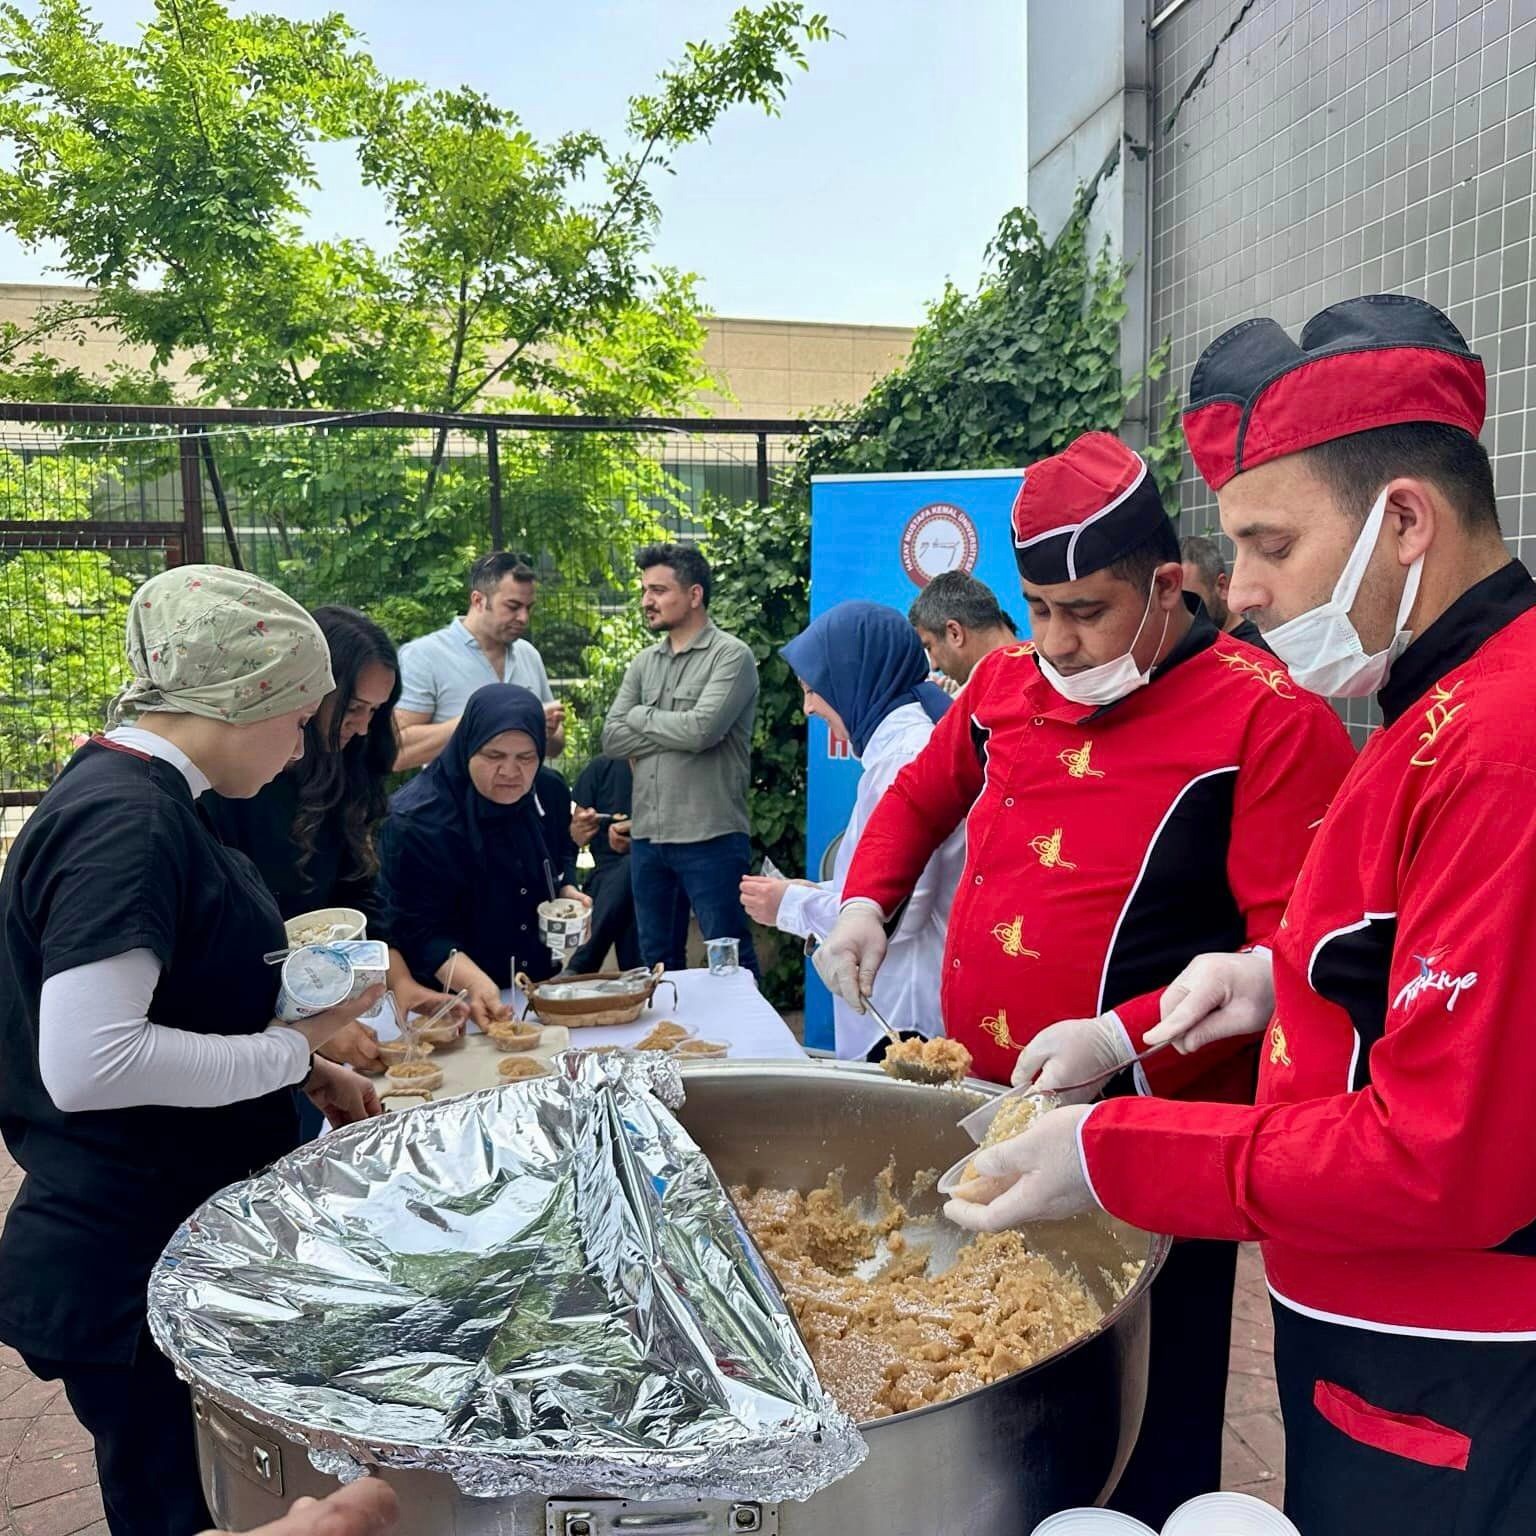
[773,368]
[93,349]
[797,368]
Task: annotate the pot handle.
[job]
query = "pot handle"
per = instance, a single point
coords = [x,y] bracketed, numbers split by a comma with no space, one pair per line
[655,981]
[656,986]
[424,1094]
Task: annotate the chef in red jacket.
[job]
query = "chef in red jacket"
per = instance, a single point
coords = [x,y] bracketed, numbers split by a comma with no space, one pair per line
[1136,789]
[1390,1164]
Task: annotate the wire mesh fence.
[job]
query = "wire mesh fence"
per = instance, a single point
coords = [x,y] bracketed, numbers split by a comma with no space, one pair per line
[383,511]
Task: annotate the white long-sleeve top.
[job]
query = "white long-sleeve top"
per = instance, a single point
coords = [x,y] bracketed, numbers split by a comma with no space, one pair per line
[98,1049]
[907,987]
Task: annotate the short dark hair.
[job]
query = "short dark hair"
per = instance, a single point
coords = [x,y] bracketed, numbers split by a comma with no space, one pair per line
[1205,555]
[959,596]
[1356,467]
[683,560]
[1137,565]
[489,571]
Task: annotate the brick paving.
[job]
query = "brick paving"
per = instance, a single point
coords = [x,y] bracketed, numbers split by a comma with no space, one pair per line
[48,1475]
[1253,1456]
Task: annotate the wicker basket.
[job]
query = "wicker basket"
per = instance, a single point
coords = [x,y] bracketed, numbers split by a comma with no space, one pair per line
[591,1012]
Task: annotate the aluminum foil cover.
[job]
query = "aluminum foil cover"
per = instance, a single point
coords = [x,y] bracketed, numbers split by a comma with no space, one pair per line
[533,1289]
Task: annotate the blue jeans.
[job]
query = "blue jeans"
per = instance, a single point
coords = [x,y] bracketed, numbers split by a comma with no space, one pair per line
[669,878]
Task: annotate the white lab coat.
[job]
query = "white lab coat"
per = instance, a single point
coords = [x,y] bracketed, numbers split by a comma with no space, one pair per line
[907,988]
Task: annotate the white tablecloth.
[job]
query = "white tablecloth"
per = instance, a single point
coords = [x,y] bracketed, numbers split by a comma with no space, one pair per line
[727,1008]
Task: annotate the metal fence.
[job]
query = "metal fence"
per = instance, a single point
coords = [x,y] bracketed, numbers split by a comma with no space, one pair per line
[384,511]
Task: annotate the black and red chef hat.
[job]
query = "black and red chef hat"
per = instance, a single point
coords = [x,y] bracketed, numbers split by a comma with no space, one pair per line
[1377,361]
[1082,509]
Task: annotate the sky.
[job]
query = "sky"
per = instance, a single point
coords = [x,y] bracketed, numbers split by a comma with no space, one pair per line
[893,159]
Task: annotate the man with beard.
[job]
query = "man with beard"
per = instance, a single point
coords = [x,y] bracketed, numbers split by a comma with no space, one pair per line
[683,717]
[439,671]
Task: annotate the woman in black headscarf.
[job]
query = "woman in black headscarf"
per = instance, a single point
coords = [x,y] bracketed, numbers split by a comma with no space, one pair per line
[472,846]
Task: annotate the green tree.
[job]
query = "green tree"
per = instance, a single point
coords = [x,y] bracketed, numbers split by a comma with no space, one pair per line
[1007,374]
[174,173]
[62,618]
[997,377]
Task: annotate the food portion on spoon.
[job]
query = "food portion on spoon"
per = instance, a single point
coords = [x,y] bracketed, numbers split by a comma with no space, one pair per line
[940,1061]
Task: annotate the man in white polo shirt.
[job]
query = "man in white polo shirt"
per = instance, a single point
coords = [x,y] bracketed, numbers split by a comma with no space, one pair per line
[439,671]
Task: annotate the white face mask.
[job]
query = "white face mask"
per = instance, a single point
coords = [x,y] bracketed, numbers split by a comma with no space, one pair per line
[1110,682]
[1321,648]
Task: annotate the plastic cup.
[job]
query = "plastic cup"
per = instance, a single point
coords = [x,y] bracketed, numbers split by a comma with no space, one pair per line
[564,925]
[723,955]
[319,976]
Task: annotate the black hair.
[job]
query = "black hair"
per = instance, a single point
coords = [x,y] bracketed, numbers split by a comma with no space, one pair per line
[351,779]
[1205,555]
[683,560]
[959,596]
[1137,565]
[489,571]
[1356,467]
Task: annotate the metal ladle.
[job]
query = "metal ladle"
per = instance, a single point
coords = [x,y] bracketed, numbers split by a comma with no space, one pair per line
[909,1071]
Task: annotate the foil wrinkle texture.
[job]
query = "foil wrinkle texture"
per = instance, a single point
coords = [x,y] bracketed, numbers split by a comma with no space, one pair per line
[537,1288]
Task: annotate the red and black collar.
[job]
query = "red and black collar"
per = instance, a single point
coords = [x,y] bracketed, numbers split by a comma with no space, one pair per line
[1472,620]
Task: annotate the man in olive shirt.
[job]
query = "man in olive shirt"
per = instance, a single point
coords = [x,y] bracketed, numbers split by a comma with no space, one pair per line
[683,717]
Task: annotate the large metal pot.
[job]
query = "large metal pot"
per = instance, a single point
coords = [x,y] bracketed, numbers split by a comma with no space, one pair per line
[995,1461]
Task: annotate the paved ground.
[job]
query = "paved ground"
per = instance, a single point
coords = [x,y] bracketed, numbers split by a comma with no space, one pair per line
[48,1475]
[1254,1456]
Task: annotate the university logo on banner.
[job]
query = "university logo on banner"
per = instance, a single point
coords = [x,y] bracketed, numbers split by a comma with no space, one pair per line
[838,751]
[939,537]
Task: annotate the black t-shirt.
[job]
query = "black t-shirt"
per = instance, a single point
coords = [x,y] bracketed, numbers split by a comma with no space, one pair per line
[262,829]
[115,858]
[605,784]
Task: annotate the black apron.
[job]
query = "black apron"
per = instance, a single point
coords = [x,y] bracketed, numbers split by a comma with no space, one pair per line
[1412,1436]
[115,858]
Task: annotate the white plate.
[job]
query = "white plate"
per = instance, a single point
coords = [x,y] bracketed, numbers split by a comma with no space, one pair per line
[1091,1522]
[1228,1514]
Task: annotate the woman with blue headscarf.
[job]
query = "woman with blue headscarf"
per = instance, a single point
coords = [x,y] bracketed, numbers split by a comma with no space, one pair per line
[864,673]
[471,847]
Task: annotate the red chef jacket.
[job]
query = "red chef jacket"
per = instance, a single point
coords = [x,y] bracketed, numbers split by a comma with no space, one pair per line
[1390,1163]
[1108,847]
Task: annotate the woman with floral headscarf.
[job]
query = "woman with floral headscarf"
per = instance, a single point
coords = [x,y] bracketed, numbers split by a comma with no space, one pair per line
[142,1065]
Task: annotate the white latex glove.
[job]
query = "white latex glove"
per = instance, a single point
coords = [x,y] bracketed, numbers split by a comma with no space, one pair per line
[1217,997]
[1072,1052]
[1035,1176]
[852,954]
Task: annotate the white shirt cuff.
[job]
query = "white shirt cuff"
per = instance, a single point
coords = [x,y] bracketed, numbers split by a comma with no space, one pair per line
[1082,1157]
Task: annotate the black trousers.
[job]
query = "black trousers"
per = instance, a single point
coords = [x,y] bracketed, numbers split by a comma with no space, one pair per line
[613,920]
[1412,1436]
[1178,1453]
[140,1417]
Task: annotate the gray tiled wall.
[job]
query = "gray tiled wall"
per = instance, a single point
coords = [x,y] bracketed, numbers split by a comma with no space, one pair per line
[1339,147]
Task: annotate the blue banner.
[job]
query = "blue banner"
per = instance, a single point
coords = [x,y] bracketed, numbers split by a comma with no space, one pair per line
[882,538]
